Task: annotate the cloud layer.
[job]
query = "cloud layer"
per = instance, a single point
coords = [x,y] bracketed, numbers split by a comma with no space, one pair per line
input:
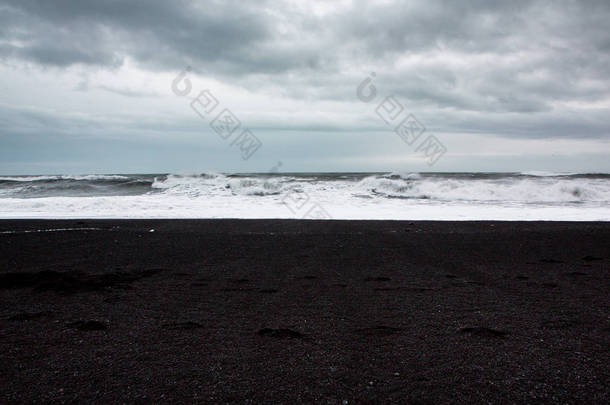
[520,69]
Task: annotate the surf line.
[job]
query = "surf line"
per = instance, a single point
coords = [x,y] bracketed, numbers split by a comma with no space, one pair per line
[56,230]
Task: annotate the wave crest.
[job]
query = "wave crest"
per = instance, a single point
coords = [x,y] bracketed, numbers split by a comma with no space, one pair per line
[524,190]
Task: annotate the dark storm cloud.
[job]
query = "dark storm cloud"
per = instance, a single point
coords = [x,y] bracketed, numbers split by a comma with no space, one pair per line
[519,56]
[159,33]
[478,26]
[244,36]
[467,61]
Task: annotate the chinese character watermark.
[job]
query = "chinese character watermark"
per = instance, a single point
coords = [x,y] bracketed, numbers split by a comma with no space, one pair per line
[405,125]
[299,202]
[225,124]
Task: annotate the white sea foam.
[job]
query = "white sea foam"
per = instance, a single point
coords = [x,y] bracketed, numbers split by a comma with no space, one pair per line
[525,190]
[65,177]
[53,230]
[342,196]
[539,173]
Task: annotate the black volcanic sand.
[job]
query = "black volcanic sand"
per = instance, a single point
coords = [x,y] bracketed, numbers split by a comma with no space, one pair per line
[258,311]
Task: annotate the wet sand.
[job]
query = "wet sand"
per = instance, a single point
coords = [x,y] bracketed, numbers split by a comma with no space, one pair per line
[304,311]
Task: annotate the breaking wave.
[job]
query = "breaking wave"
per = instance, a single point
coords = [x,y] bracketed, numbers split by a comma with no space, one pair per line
[507,189]
[397,195]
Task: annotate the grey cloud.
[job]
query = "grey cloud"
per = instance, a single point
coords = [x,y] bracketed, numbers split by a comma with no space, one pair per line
[128,93]
[517,59]
[157,33]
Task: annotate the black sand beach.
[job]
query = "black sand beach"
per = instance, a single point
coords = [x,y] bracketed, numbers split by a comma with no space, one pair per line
[259,311]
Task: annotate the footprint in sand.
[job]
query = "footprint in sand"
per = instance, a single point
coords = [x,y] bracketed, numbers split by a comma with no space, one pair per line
[483,332]
[378,331]
[240,281]
[281,333]
[87,326]
[591,258]
[550,285]
[198,284]
[268,291]
[30,316]
[237,289]
[378,278]
[576,273]
[551,261]
[189,325]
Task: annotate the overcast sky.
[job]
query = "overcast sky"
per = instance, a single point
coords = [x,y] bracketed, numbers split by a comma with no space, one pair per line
[86,86]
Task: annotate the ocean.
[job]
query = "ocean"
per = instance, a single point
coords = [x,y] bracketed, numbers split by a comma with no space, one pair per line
[399,196]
